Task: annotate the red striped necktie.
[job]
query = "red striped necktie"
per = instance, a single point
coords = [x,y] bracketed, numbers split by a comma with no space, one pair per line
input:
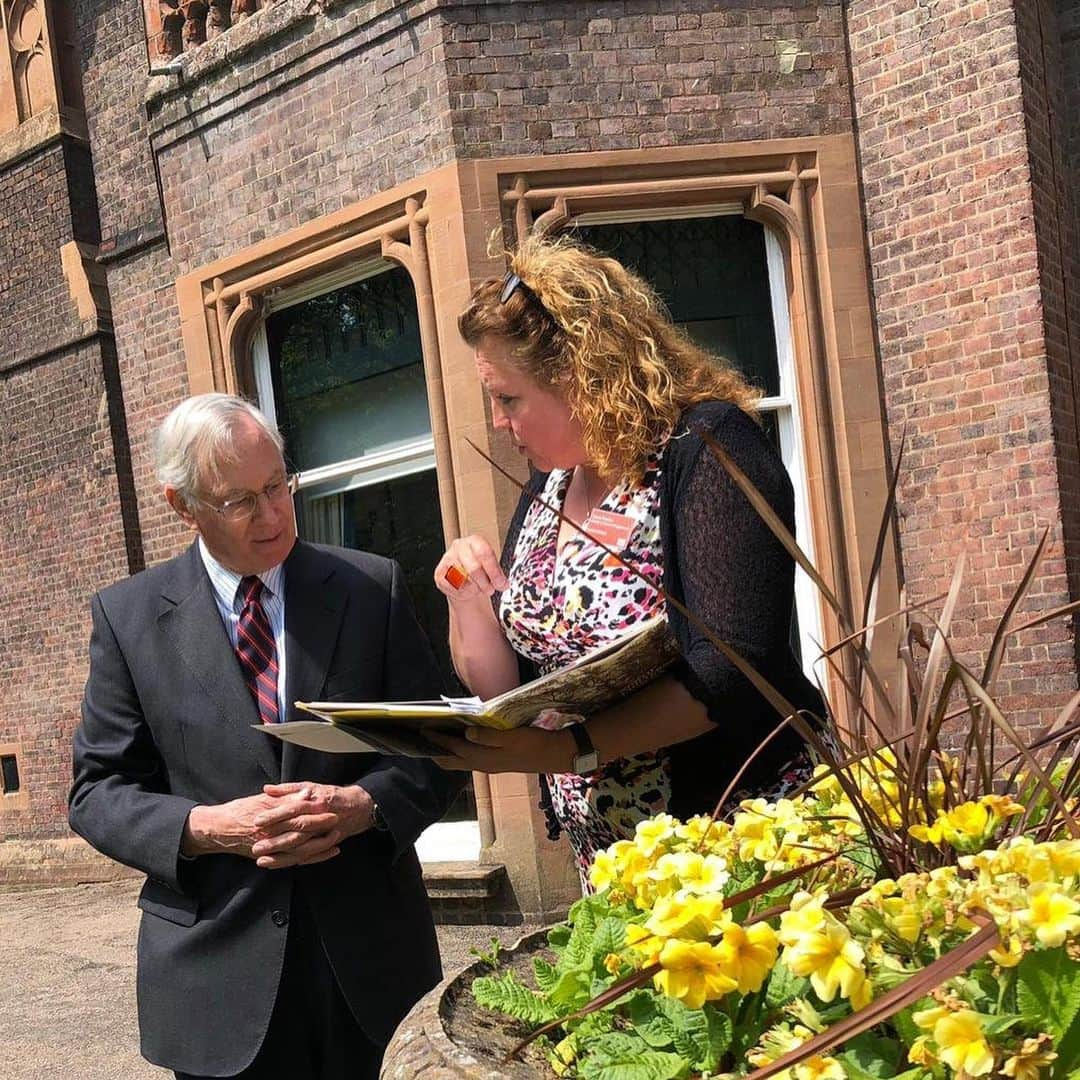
[256,652]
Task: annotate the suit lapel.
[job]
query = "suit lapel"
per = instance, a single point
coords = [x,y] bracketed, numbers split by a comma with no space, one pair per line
[314,608]
[189,617]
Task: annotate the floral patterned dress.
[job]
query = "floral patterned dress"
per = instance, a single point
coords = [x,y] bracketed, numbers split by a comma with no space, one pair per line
[561,604]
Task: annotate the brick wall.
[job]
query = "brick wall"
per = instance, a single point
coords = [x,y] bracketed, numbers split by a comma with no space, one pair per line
[530,78]
[62,537]
[36,310]
[948,197]
[337,111]
[1055,205]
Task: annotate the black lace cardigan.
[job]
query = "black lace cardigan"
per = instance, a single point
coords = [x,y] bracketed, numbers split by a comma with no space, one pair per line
[722,561]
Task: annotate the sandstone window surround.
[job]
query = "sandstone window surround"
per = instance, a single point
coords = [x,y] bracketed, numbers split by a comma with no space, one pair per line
[438,227]
[805,190]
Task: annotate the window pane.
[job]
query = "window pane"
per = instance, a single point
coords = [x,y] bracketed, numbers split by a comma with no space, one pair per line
[348,372]
[399,517]
[712,274]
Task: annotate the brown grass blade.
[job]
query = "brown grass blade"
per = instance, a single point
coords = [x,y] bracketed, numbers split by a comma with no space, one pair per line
[1001,634]
[781,532]
[899,613]
[883,530]
[1033,766]
[776,526]
[1048,616]
[938,650]
[918,986]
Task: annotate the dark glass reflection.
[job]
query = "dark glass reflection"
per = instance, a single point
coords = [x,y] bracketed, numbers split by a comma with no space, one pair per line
[712,274]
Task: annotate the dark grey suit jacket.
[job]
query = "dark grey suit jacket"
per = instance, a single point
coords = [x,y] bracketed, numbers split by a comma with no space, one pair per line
[167,724]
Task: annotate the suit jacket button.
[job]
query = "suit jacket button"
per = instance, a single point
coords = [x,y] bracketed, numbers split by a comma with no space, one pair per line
[279,917]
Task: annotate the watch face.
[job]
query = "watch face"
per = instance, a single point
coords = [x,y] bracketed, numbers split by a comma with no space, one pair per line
[587,763]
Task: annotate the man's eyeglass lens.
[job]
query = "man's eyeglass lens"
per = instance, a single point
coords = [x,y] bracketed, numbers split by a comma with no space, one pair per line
[246,505]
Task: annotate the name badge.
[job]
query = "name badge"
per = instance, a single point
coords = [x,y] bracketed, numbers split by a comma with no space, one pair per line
[611,529]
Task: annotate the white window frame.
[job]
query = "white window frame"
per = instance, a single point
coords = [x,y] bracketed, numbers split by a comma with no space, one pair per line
[445,841]
[784,405]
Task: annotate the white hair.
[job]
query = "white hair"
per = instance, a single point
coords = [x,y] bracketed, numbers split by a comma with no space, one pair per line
[198,435]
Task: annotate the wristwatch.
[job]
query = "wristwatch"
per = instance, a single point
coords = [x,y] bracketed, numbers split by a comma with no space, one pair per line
[587,758]
[378,822]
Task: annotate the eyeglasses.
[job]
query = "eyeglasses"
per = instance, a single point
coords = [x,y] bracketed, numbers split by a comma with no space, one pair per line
[510,283]
[244,506]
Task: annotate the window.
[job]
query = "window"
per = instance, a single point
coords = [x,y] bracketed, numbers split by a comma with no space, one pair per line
[339,366]
[9,773]
[724,280]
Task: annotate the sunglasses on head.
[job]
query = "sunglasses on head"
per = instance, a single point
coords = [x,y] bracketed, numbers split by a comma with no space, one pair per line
[509,286]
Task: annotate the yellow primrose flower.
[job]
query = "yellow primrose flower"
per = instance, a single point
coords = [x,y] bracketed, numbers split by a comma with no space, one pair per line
[961,1043]
[653,831]
[1011,954]
[921,1054]
[1030,1060]
[1001,807]
[748,955]
[929,834]
[701,831]
[692,918]
[1064,857]
[826,952]
[755,831]
[804,915]
[644,942]
[612,963]
[692,973]
[820,1068]
[1052,916]
[688,872]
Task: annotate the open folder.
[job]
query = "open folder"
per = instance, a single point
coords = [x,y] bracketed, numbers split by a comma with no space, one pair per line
[595,681]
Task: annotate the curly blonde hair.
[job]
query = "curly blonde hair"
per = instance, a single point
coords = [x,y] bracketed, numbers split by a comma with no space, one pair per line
[585,326]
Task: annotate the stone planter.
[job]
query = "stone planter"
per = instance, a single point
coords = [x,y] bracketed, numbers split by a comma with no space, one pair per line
[448,1036]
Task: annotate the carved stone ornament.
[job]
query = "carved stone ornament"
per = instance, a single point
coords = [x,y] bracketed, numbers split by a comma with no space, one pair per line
[31,65]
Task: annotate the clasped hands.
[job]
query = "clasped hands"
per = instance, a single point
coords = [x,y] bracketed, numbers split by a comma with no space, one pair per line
[294,824]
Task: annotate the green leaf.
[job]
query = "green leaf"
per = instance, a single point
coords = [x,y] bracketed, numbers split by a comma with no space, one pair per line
[783,987]
[700,1037]
[624,1056]
[505,994]
[610,937]
[997,1025]
[1067,1066]
[648,1021]
[1048,990]
[870,1055]
[558,936]
[546,973]
[571,991]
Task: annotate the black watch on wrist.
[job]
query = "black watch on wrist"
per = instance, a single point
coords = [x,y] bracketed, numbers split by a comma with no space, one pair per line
[378,822]
[587,758]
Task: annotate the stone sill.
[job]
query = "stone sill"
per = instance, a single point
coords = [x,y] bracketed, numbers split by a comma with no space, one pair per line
[38,132]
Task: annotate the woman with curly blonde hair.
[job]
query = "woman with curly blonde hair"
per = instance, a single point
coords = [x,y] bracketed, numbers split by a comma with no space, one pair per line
[608,399]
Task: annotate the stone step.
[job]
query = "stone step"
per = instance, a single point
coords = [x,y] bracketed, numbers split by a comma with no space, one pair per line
[464,880]
[469,892]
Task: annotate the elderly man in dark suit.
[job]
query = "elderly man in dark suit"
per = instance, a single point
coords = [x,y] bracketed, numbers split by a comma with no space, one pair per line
[285,928]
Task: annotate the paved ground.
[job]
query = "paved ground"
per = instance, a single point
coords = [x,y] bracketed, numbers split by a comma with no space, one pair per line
[67,982]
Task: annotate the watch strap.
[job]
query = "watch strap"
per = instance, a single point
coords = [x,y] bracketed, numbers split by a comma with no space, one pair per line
[586,759]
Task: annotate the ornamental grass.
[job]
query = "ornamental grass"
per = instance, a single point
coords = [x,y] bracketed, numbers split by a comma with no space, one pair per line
[913,912]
